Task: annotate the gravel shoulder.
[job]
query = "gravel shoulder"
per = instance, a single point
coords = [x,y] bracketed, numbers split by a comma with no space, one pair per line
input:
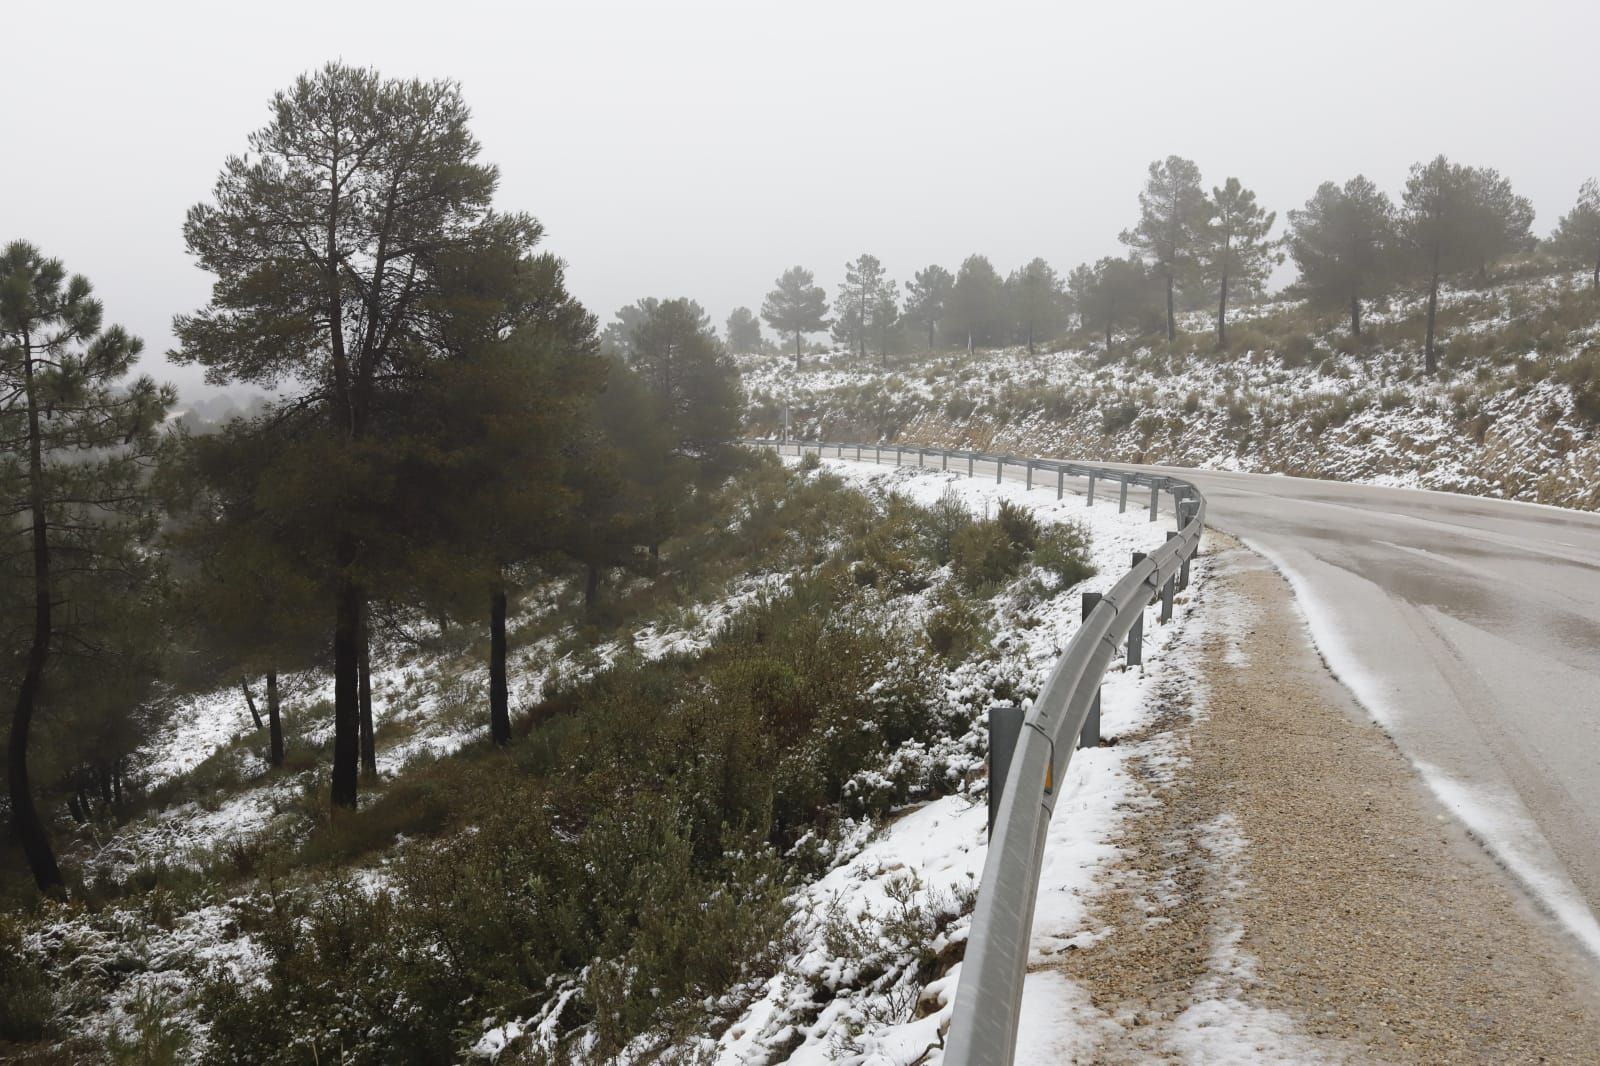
[1290,891]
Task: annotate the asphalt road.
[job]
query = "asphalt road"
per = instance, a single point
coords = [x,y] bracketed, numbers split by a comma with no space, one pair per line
[1471,629]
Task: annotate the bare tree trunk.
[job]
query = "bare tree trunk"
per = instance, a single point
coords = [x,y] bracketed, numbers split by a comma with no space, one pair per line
[1172,321]
[1355,317]
[250,702]
[25,819]
[274,721]
[591,587]
[346,681]
[499,704]
[1429,361]
[369,745]
[1222,315]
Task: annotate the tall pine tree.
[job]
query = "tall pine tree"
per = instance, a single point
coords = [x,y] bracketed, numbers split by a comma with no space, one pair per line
[1233,249]
[1172,215]
[1341,242]
[796,306]
[329,242]
[76,446]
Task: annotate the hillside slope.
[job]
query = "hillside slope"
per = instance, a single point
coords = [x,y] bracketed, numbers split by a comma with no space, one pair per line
[1514,412]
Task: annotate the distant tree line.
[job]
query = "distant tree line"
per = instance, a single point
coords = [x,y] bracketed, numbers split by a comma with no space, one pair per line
[1191,247]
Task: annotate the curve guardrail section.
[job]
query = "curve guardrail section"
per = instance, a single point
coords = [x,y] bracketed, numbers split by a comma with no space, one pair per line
[983,1029]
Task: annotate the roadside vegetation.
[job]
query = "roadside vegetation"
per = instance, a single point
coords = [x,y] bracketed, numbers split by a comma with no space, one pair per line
[620,872]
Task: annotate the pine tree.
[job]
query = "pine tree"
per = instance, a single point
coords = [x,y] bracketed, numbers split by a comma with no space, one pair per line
[696,386]
[1456,218]
[865,289]
[797,306]
[976,308]
[1114,292]
[1037,300]
[251,583]
[927,297]
[327,243]
[744,331]
[1172,213]
[77,445]
[1577,236]
[1233,249]
[494,434]
[1341,243]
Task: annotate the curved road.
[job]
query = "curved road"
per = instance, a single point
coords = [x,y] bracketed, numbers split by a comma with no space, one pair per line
[1470,628]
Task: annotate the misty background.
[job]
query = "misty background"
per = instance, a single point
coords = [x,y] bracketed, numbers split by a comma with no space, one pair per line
[699,149]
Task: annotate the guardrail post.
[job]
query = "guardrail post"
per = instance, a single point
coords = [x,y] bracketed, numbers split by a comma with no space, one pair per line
[1005,727]
[1155,499]
[1166,599]
[1090,502]
[1122,500]
[1136,634]
[969,464]
[1030,473]
[944,460]
[999,468]
[841,452]
[858,453]
[1061,481]
[877,454]
[919,458]
[899,454]
[1090,737]
[1183,573]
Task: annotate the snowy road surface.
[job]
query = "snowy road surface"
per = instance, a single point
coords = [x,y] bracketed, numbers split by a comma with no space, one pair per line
[1470,629]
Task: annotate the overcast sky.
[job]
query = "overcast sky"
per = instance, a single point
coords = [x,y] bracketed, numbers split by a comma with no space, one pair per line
[699,149]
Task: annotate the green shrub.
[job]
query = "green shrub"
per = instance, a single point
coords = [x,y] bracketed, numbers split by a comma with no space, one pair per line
[956,627]
[1063,551]
[25,1002]
[152,1037]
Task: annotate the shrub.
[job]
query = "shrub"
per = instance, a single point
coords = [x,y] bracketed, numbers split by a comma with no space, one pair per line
[25,1003]
[1063,552]
[956,627]
[941,524]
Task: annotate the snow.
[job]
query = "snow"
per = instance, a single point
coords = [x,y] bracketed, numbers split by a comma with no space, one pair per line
[1505,427]
[935,854]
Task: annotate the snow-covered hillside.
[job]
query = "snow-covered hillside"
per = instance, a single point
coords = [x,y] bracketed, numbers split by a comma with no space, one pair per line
[1512,413]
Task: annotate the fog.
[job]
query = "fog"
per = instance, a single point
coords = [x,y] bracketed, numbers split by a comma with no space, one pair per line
[699,149]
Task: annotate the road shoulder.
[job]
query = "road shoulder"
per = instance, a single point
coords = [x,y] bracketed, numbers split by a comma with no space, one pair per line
[1288,889]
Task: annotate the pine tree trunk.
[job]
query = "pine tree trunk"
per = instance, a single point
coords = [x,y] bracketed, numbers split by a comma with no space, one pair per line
[591,587]
[76,809]
[346,681]
[25,819]
[369,746]
[250,702]
[1355,317]
[1222,315]
[797,350]
[499,705]
[1594,282]
[1030,338]
[1172,321]
[1108,335]
[930,333]
[1429,362]
[274,721]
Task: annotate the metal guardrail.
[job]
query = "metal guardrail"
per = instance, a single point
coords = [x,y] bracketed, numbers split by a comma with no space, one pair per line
[983,1029]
